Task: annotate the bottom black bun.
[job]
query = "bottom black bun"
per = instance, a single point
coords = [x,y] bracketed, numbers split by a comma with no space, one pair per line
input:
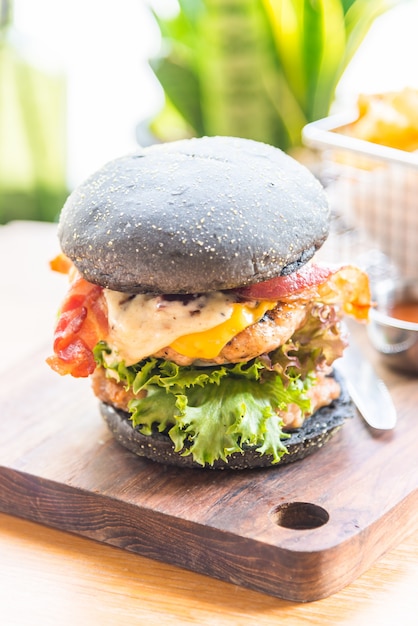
[315,433]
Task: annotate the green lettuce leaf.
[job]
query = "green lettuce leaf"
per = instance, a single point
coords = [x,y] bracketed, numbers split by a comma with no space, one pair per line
[210,412]
[318,343]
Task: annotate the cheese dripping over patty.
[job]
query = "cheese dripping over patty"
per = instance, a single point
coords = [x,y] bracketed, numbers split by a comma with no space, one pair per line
[197,326]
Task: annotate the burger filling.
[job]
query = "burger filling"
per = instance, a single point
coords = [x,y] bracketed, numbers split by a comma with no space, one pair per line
[193,327]
[218,371]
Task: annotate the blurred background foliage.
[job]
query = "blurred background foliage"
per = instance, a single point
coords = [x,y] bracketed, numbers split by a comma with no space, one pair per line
[259,69]
[253,68]
[32,133]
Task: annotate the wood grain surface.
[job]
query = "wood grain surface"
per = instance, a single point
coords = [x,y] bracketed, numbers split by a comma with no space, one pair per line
[48,576]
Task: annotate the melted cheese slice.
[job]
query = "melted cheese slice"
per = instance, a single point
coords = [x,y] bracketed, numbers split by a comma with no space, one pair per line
[197,327]
[208,344]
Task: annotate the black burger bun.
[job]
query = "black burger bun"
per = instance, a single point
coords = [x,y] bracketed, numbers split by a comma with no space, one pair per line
[316,431]
[193,216]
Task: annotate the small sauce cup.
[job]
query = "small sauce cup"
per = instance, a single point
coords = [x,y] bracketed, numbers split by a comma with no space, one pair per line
[393,327]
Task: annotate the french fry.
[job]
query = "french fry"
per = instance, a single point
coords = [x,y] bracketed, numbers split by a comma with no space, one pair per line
[389,119]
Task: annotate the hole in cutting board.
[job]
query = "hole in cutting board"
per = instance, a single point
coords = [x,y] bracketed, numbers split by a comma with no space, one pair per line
[299,515]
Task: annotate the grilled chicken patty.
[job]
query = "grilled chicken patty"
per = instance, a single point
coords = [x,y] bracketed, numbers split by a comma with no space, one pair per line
[272,331]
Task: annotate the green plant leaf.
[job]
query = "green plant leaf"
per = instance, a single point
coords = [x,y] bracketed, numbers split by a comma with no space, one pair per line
[181,86]
[332,58]
[234,57]
[285,18]
[260,69]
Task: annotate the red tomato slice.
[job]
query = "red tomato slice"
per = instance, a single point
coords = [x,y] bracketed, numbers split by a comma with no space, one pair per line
[284,286]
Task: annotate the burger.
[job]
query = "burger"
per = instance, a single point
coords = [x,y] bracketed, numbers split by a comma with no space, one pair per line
[196,307]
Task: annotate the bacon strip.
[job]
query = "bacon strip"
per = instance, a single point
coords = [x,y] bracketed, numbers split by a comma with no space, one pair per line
[350,286]
[61,263]
[82,323]
[347,285]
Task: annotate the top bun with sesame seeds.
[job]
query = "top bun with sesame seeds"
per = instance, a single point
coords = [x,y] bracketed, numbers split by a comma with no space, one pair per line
[196,215]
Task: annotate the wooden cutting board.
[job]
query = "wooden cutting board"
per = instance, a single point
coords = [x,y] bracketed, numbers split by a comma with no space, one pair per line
[300,532]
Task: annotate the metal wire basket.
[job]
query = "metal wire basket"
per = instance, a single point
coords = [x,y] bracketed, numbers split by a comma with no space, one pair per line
[373,188]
